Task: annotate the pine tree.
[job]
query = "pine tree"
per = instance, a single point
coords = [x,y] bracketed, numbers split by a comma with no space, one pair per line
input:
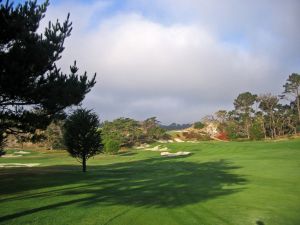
[33,90]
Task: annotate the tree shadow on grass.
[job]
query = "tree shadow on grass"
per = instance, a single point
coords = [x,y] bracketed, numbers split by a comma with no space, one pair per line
[155,182]
[128,153]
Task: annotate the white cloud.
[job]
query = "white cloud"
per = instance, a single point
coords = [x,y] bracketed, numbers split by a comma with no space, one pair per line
[178,72]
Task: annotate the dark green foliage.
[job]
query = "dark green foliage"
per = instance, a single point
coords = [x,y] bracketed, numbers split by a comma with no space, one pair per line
[111,146]
[2,142]
[268,104]
[256,131]
[175,126]
[152,130]
[272,119]
[243,105]
[82,136]
[232,130]
[129,132]
[33,90]
[244,102]
[124,130]
[292,87]
[198,125]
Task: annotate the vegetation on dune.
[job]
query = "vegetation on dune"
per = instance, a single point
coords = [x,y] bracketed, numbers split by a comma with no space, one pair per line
[176,126]
[129,132]
[199,125]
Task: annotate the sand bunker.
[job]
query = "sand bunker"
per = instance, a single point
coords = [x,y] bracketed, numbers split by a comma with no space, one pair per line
[178,140]
[19,164]
[10,156]
[142,146]
[157,148]
[22,152]
[169,154]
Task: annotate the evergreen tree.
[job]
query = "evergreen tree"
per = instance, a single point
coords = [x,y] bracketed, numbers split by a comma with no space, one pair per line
[268,104]
[243,104]
[292,87]
[33,90]
[82,135]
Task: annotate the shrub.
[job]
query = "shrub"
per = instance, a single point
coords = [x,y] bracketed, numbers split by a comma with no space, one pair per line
[111,146]
[198,125]
[256,131]
[232,131]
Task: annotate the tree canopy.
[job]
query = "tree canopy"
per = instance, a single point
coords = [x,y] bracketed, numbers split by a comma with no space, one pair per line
[243,105]
[82,136]
[292,87]
[33,90]
[129,132]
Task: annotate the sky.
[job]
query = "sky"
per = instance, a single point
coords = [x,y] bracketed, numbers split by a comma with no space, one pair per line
[179,60]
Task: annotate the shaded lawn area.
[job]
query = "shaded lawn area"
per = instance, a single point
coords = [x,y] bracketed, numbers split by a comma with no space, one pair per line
[220,183]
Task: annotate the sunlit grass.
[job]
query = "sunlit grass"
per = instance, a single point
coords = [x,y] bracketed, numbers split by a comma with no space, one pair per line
[220,183]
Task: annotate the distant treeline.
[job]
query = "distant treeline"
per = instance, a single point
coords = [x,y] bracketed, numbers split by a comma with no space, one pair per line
[262,116]
[176,126]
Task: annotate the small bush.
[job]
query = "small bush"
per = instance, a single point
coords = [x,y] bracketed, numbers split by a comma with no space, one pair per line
[198,125]
[232,131]
[111,146]
[256,132]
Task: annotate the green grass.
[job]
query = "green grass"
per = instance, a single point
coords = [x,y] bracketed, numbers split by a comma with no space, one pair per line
[247,183]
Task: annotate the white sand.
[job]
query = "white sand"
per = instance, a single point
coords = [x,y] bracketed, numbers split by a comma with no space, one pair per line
[157,148]
[168,154]
[19,164]
[178,140]
[10,156]
[163,141]
[22,152]
[142,146]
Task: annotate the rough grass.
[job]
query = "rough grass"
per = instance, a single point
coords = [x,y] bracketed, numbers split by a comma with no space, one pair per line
[247,183]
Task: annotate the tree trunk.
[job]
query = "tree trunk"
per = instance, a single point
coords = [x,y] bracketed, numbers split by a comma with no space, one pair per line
[290,125]
[298,104]
[247,129]
[298,107]
[84,164]
[273,127]
[264,129]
